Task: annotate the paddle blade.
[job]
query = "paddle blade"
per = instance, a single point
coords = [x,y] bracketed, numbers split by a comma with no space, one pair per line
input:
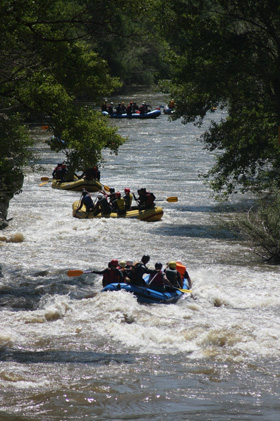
[172,199]
[42,184]
[75,272]
[186,291]
[45,178]
[106,188]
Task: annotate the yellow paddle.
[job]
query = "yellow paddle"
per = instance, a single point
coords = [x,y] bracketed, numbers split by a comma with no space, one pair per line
[172,199]
[186,291]
[46,180]
[168,199]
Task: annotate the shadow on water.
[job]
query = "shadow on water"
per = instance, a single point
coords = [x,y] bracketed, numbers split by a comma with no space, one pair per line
[25,293]
[77,357]
[223,208]
[196,231]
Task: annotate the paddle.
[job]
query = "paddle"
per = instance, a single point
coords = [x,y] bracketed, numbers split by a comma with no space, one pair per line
[46,180]
[78,272]
[168,199]
[186,291]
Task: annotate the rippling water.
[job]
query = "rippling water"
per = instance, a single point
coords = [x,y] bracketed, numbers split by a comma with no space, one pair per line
[69,352]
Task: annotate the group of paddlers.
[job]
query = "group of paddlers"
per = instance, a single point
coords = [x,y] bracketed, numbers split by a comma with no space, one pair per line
[131,108]
[113,201]
[160,280]
[61,173]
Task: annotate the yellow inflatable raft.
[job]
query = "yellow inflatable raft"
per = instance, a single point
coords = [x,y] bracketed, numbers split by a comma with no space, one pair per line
[149,215]
[78,185]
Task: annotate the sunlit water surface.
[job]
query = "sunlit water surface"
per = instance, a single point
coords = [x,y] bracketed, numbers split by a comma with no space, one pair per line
[69,352]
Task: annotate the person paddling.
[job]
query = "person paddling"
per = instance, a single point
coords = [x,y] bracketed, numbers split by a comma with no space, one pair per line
[157,279]
[173,275]
[137,271]
[111,274]
[87,201]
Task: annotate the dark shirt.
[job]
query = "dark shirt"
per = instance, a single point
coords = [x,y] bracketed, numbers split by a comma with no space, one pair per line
[137,272]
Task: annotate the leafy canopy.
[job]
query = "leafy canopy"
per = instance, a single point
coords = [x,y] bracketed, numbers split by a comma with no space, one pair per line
[46,64]
[228,53]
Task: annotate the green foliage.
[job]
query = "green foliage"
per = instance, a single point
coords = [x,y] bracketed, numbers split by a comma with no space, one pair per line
[46,64]
[227,53]
[15,153]
[261,227]
[85,135]
[127,37]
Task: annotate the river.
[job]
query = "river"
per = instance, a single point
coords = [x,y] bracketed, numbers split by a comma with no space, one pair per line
[70,352]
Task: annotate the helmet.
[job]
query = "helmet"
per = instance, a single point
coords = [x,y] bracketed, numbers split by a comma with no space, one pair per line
[99,196]
[127,190]
[172,265]
[129,263]
[122,263]
[114,262]
[112,190]
[146,258]
[94,168]
[158,265]
[63,166]
[118,194]
[84,192]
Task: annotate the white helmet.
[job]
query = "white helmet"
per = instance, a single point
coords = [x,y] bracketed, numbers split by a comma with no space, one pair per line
[99,196]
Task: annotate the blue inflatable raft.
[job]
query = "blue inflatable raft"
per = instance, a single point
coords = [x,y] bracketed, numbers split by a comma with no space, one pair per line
[147,295]
[150,114]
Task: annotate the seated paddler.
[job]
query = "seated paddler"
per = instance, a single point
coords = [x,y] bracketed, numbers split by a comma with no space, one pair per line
[87,201]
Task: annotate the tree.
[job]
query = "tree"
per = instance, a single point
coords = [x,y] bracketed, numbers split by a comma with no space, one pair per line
[228,53]
[260,226]
[46,63]
[126,37]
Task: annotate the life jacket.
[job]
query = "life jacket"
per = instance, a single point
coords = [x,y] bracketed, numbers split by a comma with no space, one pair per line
[149,200]
[87,201]
[181,269]
[173,276]
[58,172]
[128,200]
[120,203]
[111,276]
[156,279]
[105,206]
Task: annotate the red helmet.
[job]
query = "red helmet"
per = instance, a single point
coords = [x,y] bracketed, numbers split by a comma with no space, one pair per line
[94,168]
[114,262]
[118,194]
[127,190]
